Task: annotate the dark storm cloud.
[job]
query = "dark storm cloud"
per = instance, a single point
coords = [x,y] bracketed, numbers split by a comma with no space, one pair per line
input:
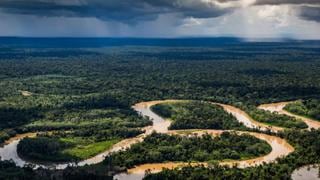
[279,2]
[117,10]
[310,13]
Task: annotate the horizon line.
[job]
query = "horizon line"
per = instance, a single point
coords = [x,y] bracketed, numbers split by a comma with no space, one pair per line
[164,38]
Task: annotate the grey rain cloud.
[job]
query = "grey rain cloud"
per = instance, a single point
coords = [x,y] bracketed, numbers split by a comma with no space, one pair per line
[160,18]
[116,10]
[279,2]
[310,13]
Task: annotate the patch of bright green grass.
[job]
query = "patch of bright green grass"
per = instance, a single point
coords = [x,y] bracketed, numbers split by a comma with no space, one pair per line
[85,149]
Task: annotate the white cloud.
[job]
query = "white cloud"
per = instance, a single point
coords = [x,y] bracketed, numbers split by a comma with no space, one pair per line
[257,22]
[278,15]
[232,3]
[189,22]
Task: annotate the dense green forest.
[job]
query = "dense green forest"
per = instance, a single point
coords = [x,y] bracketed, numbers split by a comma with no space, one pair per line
[84,96]
[158,148]
[9,171]
[309,108]
[204,115]
[74,145]
[276,119]
[307,152]
[197,115]
[78,113]
[259,73]
[94,123]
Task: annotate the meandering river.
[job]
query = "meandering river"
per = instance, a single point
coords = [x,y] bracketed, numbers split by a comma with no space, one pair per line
[309,172]
[279,146]
[279,108]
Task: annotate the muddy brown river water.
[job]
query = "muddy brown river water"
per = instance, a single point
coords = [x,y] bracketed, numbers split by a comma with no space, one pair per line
[279,146]
[309,172]
[278,107]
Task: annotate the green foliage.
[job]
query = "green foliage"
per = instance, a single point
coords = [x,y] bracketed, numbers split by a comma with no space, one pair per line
[307,152]
[276,119]
[108,115]
[309,108]
[63,149]
[70,90]
[88,149]
[43,148]
[12,117]
[221,173]
[74,145]
[9,171]
[6,134]
[66,87]
[197,115]
[158,148]
[84,126]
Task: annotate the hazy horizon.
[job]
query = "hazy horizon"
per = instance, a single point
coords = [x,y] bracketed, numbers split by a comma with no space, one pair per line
[242,39]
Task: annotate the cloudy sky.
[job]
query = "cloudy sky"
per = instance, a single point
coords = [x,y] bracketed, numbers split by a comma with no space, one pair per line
[161,18]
